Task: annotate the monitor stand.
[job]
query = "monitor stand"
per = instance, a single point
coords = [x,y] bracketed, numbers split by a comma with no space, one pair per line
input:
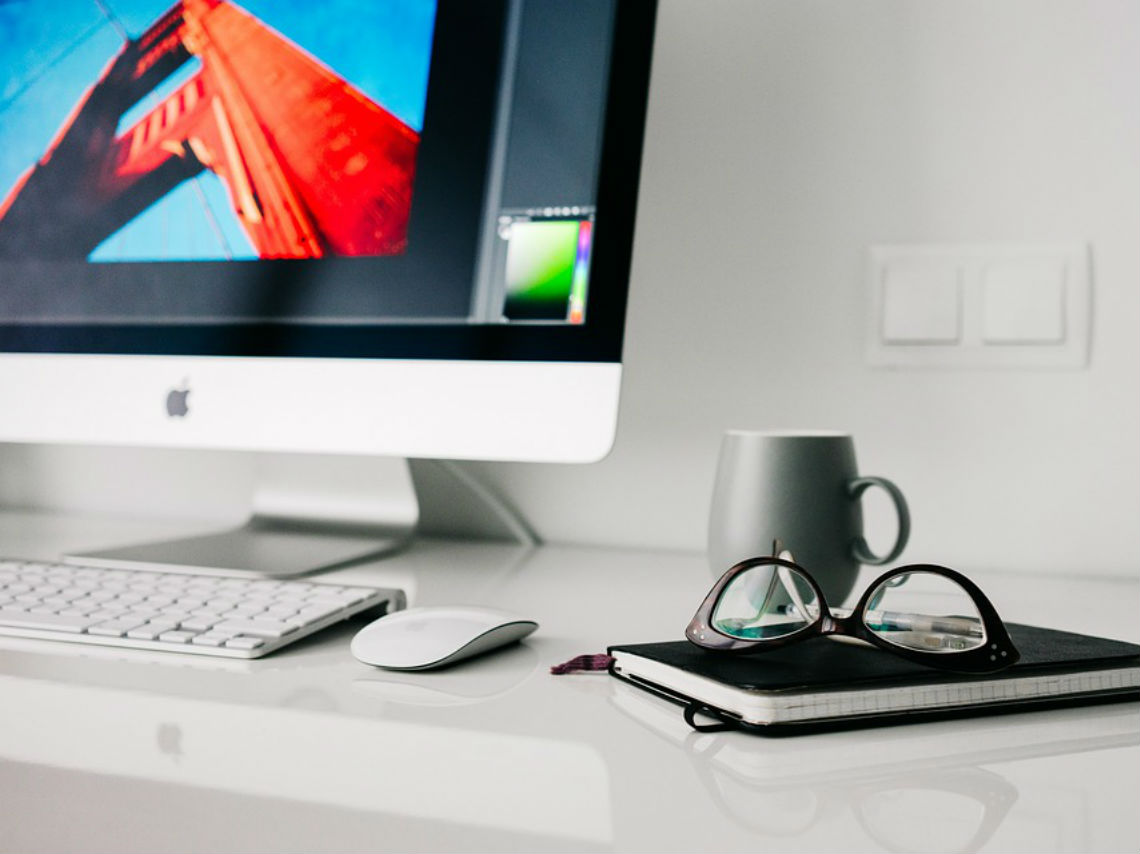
[314,513]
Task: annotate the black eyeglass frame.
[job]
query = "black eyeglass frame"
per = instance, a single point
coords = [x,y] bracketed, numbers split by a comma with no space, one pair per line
[997,653]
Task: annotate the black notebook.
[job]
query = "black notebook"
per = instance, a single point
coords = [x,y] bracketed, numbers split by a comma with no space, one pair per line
[827,684]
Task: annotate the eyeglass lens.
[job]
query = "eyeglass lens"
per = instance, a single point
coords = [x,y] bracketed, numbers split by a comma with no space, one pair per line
[766,602]
[925,611]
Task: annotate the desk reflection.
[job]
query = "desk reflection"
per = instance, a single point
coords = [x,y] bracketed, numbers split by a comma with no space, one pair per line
[298,755]
[474,681]
[921,788]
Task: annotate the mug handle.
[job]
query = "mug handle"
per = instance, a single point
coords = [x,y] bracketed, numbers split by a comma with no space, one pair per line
[859,548]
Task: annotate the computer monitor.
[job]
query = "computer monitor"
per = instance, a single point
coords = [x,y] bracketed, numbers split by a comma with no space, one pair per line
[400,228]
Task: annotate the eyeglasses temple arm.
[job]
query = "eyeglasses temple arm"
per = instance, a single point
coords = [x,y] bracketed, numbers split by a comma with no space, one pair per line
[789,585]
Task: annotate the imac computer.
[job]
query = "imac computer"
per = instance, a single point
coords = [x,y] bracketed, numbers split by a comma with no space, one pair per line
[395,230]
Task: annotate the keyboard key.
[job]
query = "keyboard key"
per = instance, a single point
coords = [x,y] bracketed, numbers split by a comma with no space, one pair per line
[104,614]
[245,611]
[262,601]
[220,605]
[44,622]
[177,637]
[173,614]
[141,616]
[209,639]
[311,615]
[159,625]
[147,632]
[258,628]
[199,624]
[280,611]
[244,643]
[114,628]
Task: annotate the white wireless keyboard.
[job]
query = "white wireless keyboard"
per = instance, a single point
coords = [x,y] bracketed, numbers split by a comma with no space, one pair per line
[172,612]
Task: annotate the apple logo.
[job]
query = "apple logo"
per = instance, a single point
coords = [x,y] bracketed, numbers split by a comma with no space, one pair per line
[176,405]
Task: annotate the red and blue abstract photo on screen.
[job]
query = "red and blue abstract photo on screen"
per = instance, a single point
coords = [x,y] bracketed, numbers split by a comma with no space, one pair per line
[133,130]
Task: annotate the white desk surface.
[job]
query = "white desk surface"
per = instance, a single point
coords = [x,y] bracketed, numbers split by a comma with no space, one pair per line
[309,750]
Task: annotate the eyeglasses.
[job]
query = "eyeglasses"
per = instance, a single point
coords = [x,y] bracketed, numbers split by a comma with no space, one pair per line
[940,618]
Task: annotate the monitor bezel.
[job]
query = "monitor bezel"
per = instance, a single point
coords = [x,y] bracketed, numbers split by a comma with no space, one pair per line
[598,340]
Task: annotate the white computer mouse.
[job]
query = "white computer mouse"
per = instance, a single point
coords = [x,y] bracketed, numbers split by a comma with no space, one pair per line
[427,637]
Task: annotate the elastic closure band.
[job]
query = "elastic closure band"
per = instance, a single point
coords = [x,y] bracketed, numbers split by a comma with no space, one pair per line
[695,708]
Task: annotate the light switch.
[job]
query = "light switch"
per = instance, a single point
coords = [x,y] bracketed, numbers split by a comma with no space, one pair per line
[921,304]
[979,305]
[1023,302]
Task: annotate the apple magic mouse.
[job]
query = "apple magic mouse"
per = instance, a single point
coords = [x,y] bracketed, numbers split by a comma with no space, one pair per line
[435,636]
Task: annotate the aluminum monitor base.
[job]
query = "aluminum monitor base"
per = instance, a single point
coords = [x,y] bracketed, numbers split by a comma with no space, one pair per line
[312,514]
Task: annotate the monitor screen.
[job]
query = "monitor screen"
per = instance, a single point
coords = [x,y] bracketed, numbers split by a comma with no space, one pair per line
[419,179]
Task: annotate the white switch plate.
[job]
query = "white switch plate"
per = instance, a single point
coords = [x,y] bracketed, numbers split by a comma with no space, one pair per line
[979,306]
[921,304]
[1023,303]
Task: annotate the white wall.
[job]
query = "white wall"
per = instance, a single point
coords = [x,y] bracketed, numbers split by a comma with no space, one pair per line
[783,139]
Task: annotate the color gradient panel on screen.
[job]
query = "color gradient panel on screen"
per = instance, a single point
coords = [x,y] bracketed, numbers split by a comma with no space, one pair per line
[548,270]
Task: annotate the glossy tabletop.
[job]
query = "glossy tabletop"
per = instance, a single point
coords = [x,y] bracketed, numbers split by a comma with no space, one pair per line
[309,750]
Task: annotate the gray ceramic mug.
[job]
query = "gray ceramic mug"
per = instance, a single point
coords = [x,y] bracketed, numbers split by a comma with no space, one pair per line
[800,489]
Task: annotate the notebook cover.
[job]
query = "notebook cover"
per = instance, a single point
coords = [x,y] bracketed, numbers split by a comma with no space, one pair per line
[821,665]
